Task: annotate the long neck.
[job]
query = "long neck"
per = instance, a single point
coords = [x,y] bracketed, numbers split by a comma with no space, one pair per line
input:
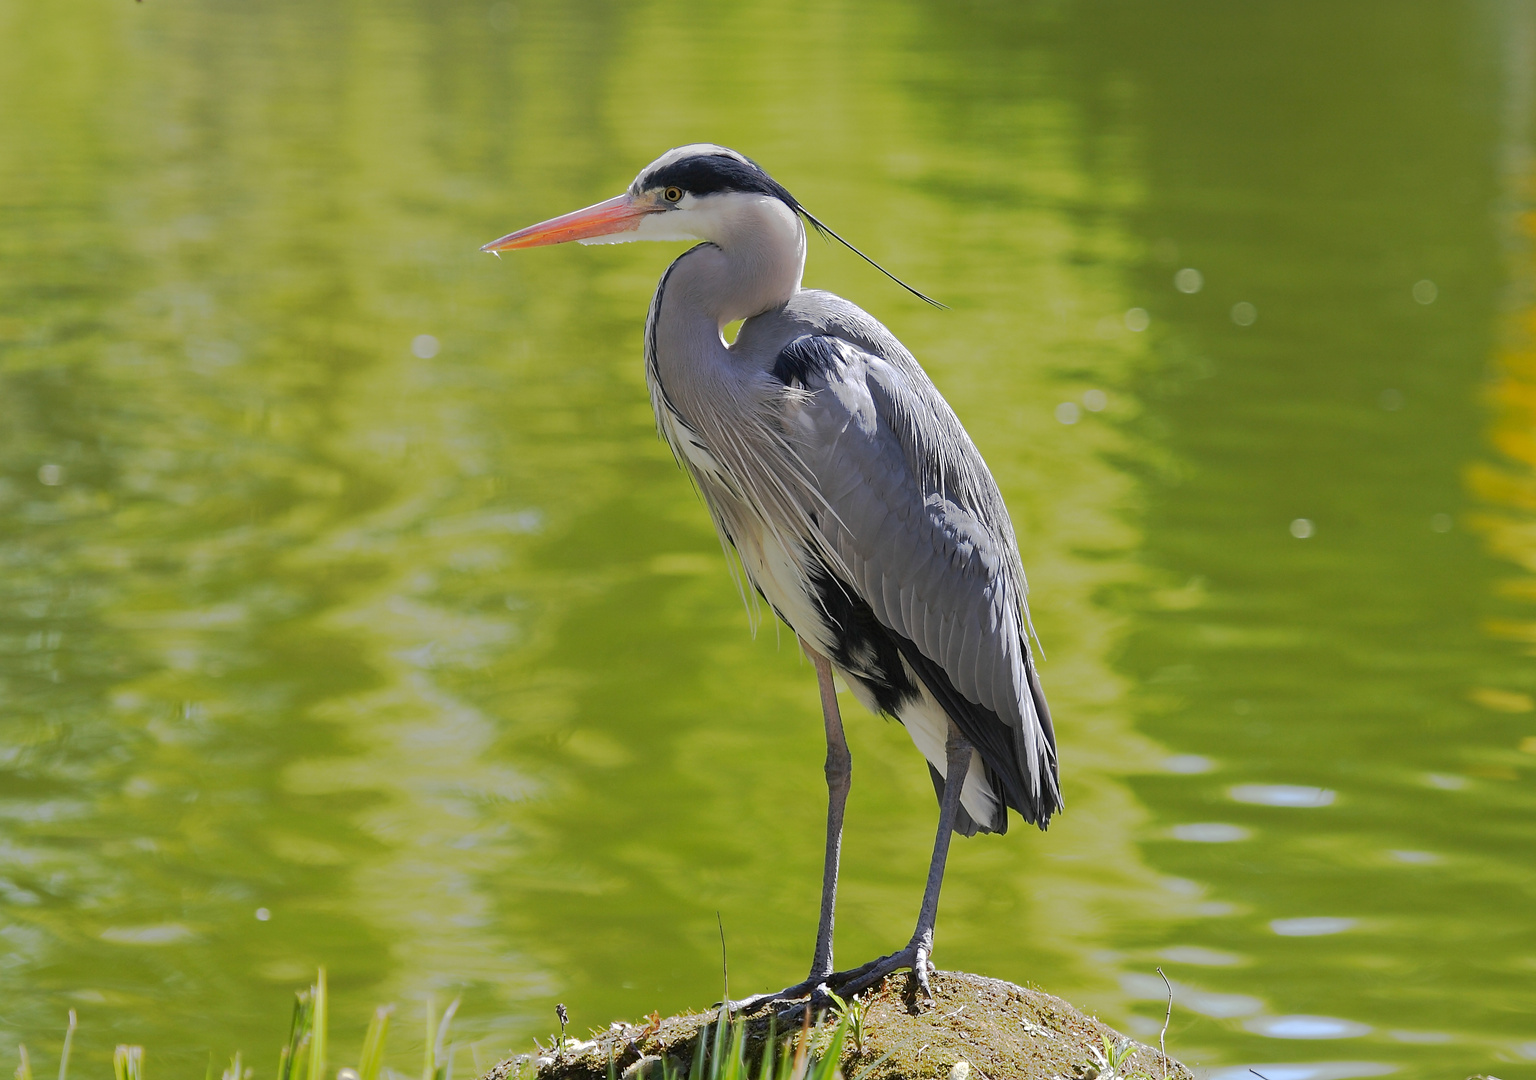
[752,263]
[757,263]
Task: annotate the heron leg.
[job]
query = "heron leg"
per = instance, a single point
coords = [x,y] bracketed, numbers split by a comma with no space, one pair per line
[839,772]
[957,754]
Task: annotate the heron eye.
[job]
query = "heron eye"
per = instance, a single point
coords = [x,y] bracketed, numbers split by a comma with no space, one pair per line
[672,194]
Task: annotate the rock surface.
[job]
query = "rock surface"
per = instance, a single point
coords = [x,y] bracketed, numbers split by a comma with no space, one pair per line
[998,1029]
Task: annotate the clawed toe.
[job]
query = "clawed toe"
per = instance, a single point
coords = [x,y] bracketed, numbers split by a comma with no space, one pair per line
[818,994]
[757,1002]
[914,957]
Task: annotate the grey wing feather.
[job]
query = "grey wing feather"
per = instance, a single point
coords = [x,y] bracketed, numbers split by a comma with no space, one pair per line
[918,520]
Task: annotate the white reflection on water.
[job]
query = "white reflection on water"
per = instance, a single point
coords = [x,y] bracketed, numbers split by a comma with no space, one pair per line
[1203,1002]
[162,934]
[1445,782]
[1209,832]
[1281,795]
[1306,1027]
[1311,1070]
[1316,926]
[1188,764]
[1203,957]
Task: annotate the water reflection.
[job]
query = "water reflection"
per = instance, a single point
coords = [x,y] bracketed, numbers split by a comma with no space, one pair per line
[353,614]
[1306,1027]
[1308,393]
[1311,926]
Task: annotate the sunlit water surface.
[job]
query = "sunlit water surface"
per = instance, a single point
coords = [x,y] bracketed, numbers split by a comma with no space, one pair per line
[352,614]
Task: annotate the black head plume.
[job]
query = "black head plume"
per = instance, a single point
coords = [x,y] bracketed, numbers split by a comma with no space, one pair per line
[826,231]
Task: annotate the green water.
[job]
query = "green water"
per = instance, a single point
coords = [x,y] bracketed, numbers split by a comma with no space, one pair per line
[435,661]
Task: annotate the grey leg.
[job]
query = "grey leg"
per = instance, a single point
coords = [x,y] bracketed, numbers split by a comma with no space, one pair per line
[957,763]
[839,770]
[957,753]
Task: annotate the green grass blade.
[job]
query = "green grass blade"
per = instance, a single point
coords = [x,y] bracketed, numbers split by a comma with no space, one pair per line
[318,1025]
[292,1062]
[765,1063]
[301,1058]
[372,1059]
[873,1065]
[69,1041]
[826,1066]
[442,1059]
[697,1072]
[738,1058]
[428,1061]
[24,1067]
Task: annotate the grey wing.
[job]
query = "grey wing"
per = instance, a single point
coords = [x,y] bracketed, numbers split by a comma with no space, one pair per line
[927,551]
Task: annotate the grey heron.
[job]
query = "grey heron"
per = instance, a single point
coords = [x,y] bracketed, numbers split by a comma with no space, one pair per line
[855,503]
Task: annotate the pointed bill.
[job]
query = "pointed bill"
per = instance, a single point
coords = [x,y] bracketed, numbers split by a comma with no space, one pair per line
[623,213]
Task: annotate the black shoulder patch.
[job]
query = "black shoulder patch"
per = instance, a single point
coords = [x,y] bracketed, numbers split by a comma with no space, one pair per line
[712,174]
[807,355]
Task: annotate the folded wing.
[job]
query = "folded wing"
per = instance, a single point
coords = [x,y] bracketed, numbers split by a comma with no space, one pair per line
[926,544]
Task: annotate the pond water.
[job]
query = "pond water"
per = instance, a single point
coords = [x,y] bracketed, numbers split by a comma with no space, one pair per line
[351,613]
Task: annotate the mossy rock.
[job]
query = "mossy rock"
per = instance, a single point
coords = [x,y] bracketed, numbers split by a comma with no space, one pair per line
[1002,1032]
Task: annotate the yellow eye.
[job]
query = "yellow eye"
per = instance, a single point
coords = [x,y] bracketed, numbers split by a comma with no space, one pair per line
[672,194]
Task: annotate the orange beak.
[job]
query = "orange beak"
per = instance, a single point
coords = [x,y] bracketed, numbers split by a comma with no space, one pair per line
[619,214]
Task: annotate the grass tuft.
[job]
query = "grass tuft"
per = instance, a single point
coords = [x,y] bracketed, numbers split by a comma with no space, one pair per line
[128,1062]
[303,1056]
[720,1053]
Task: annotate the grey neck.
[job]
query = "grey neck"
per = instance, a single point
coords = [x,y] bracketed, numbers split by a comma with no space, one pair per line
[751,263]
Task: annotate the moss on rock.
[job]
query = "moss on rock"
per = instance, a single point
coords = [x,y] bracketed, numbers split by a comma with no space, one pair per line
[1000,1030]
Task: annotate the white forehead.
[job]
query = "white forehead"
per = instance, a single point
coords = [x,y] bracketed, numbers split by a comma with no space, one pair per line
[698,149]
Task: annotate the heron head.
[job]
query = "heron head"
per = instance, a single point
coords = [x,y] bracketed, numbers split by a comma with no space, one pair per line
[696,192]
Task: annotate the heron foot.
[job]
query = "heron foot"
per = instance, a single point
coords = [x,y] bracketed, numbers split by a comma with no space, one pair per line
[815,993]
[914,958]
[812,988]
